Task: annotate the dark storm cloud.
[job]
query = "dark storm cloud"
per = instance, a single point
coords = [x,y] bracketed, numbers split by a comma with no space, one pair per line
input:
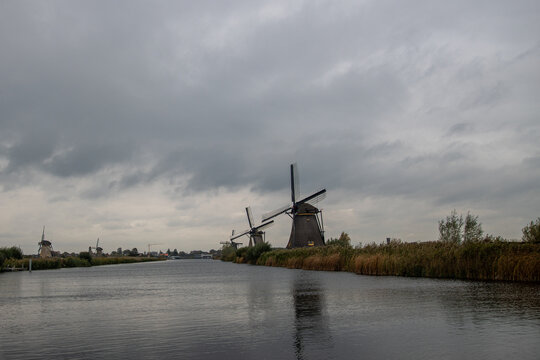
[214,93]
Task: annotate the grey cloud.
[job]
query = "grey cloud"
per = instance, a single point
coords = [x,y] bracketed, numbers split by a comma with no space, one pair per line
[368,98]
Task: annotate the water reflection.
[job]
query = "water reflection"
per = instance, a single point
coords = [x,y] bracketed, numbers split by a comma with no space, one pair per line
[312,334]
[488,301]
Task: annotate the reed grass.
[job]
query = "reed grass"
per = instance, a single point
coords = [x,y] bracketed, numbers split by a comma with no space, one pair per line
[498,260]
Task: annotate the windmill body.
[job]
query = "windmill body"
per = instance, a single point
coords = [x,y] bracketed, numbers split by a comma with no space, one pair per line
[99,250]
[306,228]
[45,247]
[307,225]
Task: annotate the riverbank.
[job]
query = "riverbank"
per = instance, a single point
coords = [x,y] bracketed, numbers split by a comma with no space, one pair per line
[69,262]
[497,260]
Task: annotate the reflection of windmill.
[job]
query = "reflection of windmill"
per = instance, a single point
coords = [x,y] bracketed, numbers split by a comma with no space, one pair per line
[99,250]
[312,337]
[232,243]
[307,228]
[256,235]
[45,247]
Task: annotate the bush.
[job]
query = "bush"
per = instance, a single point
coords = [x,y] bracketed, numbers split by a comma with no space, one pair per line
[344,240]
[253,253]
[240,253]
[85,255]
[12,253]
[531,232]
[228,253]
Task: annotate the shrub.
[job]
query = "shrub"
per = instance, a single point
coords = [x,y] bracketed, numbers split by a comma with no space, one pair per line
[12,253]
[253,253]
[344,240]
[240,253]
[531,232]
[228,253]
[85,255]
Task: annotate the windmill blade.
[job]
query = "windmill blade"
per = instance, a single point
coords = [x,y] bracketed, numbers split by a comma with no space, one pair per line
[241,234]
[318,196]
[264,226]
[250,217]
[276,212]
[232,234]
[295,190]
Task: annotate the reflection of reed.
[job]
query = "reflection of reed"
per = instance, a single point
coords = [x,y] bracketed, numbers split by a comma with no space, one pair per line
[512,300]
[311,328]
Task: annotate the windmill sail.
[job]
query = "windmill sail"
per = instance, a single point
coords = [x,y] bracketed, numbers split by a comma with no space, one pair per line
[245,232]
[264,226]
[314,198]
[250,217]
[295,189]
[276,212]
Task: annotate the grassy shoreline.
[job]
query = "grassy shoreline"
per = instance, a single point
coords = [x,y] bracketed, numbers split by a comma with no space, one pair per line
[497,260]
[69,262]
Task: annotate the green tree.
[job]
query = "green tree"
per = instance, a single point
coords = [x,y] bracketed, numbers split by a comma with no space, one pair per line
[134,252]
[450,229]
[473,228]
[531,232]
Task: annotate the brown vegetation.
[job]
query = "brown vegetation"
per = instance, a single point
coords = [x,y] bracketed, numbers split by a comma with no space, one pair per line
[489,260]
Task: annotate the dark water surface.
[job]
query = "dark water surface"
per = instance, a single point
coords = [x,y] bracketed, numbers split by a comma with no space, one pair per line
[204,309]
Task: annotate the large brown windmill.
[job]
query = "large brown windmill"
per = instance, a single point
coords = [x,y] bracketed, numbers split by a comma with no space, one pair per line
[307,224]
[255,233]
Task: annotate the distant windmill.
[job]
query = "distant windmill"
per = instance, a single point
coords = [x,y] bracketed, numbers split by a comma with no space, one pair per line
[255,233]
[45,247]
[232,243]
[99,250]
[307,227]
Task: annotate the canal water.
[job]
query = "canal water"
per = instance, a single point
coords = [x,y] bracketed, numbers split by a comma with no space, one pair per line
[204,309]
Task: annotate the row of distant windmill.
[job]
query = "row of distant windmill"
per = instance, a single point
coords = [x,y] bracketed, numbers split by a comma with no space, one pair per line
[307,222]
[46,249]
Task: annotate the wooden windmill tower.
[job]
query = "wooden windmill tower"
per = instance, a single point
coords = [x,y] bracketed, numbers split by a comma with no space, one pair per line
[99,250]
[45,247]
[307,224]
[255,233]
[232,243]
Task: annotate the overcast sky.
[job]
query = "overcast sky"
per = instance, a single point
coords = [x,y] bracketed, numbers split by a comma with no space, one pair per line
[158,122]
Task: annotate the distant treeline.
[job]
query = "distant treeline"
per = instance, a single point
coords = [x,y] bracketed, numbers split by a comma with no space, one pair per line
[72,261]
